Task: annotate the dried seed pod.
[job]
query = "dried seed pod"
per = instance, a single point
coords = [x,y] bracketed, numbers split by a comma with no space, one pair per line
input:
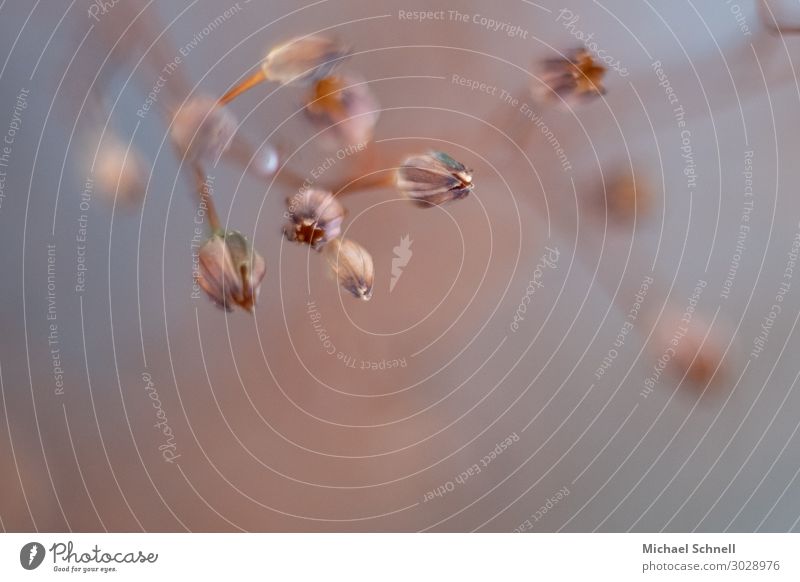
[303,60]
[121,171]
[230,271]
[202,129]
[434,178]
[352,265]
[315,217]
[345,104]
[575,78]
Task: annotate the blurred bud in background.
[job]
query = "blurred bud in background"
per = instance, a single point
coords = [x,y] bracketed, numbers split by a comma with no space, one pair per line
[345,104]
[576,78]
[202,129]
[120,171]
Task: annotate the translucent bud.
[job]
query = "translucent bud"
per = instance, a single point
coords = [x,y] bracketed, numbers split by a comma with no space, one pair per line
[121,171]
[352,265]
[434,178]
[202,129]
[303,60]
[345,104]
[230,271]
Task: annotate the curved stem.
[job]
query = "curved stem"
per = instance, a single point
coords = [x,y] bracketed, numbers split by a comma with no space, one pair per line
[256,78]
[374,181]
[206,198]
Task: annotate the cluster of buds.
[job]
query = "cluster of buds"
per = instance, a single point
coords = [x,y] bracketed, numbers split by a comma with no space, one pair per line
[315,216]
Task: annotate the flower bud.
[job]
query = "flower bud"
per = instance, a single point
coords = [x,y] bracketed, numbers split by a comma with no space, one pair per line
[121,171]
[202,129]
[345,104]
[575,78]
[230,271]
[352,265]
[303,60]
[315,217]
[434,178]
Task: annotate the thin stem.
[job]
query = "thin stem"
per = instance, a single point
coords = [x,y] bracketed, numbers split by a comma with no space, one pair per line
[256,78]
[376,180]
[206,198]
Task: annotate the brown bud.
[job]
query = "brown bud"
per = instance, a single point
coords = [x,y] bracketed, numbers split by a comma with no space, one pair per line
[345,104]
[434,178]
[202,129]
[575,78]
[303,60]
[315,217]
[691,347]
[627,198]
[352,265]
[230,271]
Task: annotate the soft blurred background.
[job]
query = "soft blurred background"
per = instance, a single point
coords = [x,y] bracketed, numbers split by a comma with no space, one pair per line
[129,405]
